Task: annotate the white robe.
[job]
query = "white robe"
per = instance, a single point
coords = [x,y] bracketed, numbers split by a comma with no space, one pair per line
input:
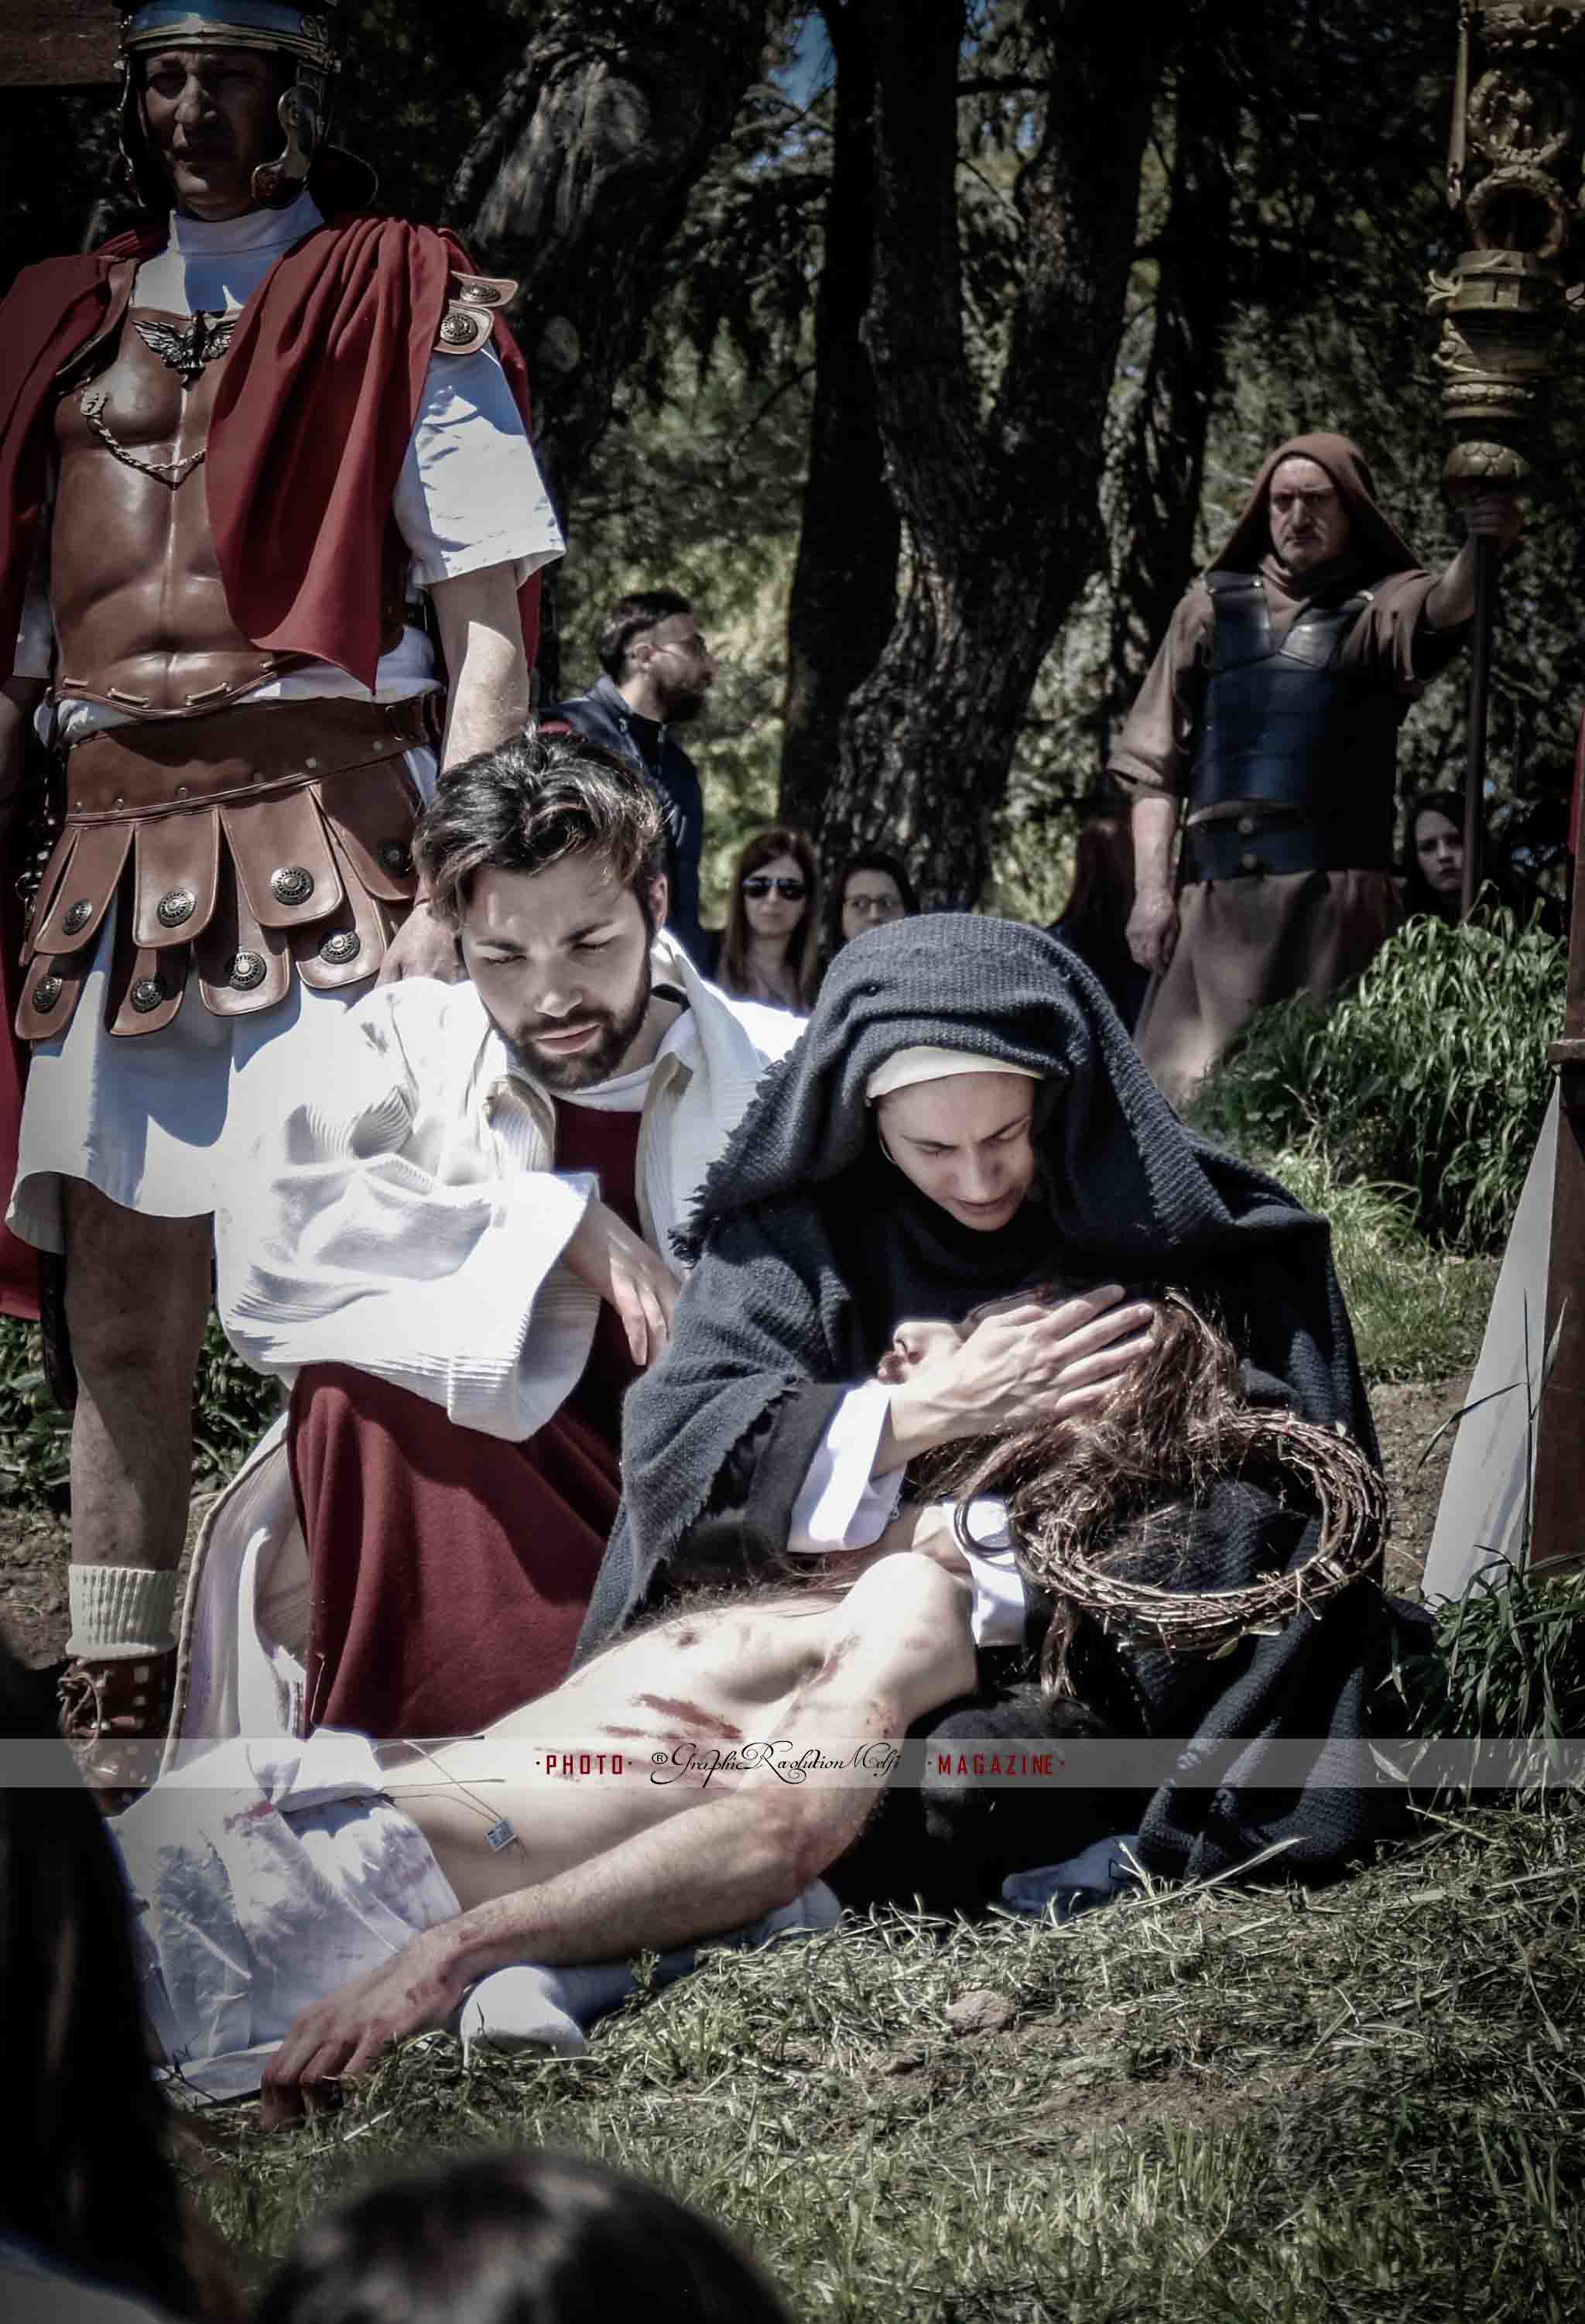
[408,1221]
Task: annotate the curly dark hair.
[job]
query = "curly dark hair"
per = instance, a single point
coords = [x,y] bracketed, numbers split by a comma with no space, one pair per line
[528,804]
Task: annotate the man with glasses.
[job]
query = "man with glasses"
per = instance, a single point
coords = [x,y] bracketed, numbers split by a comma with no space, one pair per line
[1271,716]
[657,675]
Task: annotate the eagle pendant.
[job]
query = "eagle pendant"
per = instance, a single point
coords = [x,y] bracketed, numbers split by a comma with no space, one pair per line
[188,349]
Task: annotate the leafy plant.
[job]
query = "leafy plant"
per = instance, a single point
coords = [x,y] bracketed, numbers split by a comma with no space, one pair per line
[1432,1074]
[232,1407]
[1417,1313]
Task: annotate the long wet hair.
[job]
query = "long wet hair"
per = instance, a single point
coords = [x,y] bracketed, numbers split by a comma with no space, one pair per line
[1124,1473]
[90,2182]
[516,2239]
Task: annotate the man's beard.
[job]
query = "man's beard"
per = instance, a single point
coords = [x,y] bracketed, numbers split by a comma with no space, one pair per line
[587,1066]
[682,706]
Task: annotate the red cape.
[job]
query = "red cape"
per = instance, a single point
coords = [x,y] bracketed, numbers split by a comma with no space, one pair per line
[311,425]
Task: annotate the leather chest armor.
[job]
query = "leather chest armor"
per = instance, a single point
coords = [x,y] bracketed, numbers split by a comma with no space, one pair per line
[253,843]
[140,610]
[1300,751]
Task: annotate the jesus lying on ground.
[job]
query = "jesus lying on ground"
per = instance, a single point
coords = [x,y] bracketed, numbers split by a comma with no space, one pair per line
[470,1856]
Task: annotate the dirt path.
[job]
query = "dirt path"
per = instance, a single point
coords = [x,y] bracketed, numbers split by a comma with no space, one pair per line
[33,1543]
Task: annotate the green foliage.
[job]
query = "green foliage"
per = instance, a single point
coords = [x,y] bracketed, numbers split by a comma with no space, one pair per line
[231,1408]
[1432,1074]
[1508,1660]
[1418,1313]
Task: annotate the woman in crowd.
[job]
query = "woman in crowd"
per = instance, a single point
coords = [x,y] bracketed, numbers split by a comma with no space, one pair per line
[516,2239]
[873,890]
[93,2225]
[769,950]
[1095,918]
[1434,855]
[964,1119]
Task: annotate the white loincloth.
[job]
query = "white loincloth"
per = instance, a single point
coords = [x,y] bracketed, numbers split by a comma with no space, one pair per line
[268,1872]
[265,1875]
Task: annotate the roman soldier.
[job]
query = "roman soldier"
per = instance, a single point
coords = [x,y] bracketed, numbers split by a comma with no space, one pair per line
[1271,713]
[268,502]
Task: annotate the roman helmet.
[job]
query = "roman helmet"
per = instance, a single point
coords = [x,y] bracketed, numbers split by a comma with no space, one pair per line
[305,35]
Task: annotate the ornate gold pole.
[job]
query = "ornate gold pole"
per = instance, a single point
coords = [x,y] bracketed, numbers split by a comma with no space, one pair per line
[1513,164]
[1514,169]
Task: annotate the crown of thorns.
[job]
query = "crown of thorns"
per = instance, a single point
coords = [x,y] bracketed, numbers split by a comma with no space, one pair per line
[1089,1517]
[1066,1558]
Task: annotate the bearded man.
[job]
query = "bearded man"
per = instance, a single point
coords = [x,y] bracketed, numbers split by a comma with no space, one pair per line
[454,1249]
[1270,717]
[237,444]
[657,672]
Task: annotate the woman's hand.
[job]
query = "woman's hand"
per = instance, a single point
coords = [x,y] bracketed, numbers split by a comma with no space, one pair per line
[1024,1363]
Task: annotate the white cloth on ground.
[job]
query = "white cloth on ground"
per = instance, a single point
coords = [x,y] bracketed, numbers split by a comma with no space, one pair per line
[270,1873]
[263,1876]
[142,1117]
[842,1505]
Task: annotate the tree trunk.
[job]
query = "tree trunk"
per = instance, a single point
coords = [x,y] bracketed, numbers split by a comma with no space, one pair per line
[1164,458]
[999,510]
[843,594]
[581,178]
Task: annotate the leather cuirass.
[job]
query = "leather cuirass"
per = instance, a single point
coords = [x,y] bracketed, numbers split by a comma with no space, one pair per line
[1289,731]
[140,610]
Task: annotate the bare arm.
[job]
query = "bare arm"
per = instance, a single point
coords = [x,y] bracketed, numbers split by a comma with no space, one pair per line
[1152,924]
[899,1644]
[481,637]
[1490,516]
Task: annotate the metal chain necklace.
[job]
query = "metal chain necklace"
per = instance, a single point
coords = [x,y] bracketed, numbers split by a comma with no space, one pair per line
[185,349]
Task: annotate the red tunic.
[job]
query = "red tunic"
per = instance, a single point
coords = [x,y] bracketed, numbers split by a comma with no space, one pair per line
[449,1571]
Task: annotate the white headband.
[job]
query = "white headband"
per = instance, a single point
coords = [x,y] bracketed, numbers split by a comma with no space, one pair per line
[907,1068]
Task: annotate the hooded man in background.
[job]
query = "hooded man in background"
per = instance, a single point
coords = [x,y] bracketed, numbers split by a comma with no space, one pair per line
[1270,716]
[235,444]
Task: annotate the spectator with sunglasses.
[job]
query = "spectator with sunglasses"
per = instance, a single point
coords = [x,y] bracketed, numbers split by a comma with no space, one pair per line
[770,949]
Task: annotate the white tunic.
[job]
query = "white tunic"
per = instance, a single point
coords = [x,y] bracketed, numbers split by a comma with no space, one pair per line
[142,1117]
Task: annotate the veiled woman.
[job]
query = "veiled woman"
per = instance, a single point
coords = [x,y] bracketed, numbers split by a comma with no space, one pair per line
[964,1119]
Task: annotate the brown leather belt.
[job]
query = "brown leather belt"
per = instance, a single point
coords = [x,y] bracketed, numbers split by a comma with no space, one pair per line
[235,842]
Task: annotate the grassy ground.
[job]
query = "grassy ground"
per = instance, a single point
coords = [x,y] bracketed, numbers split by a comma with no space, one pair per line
[1220,2105]
[1417,1313]
[1211,2105]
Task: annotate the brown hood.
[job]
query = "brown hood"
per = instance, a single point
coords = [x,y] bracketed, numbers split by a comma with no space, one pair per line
[1375,546]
